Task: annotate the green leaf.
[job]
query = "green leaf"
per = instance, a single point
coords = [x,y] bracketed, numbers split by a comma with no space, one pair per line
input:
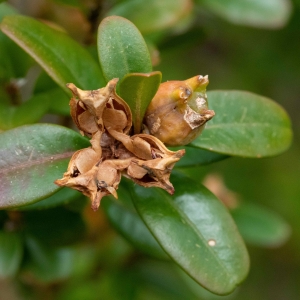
[246,125]
[28,112]
[138,90]
[61,57]
[260,226]
[197,232]
[11,253]
[256,13]
[197,157]
[121,48]
[63,196]
[31,158]
[153,16]
[128,223]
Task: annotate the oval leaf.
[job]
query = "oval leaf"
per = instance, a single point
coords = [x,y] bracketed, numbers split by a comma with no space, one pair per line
[261,227]
[31,158]
[121,49]
[197,232]
[61,57]
[256,13]
[128,223]
[246,125]
[138,90]
[11,252]
[156,15]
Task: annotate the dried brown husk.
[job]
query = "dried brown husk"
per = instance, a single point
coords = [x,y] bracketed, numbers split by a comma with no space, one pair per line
[151,163]
[96,171]
[90,108]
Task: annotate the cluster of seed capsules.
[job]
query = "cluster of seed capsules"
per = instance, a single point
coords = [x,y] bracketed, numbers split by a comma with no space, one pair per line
[176,115]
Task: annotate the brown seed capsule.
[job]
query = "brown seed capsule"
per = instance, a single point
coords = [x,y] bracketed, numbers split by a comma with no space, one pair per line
[89,109]
[150,162]
[178,112]
[96,171]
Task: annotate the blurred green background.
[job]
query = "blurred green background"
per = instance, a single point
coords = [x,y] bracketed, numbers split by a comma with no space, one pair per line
[261,57]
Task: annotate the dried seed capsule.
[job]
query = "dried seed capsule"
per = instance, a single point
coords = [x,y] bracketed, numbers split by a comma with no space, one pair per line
[178,112]
[89,109]
[106,119]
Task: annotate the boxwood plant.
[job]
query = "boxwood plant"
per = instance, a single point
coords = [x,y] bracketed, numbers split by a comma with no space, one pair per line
[40,221]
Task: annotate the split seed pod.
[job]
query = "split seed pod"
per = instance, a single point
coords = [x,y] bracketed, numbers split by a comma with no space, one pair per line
[89,108]
[96,171]
[178,112]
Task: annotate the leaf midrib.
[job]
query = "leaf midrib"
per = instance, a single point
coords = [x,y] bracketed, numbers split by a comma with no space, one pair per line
[31,163]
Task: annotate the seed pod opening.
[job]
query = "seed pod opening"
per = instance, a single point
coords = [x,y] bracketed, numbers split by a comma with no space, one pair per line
[96,171]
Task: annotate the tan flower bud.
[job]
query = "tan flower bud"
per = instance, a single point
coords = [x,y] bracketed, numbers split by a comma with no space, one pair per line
[178,112]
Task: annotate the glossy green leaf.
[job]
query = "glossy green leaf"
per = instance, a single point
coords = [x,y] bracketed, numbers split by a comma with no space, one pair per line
[256,13]
[197,232]
[48,264]
[121,48]
[128,223]
[153,16]
[11,253]
[246,125]
[197,157]
[63,196]
[61,57]
[31,158]
[28,112]
[200,293]
[260,226]
[138,90]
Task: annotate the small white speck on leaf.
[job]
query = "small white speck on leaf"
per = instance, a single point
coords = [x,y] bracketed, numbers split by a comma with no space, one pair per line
[211,243]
